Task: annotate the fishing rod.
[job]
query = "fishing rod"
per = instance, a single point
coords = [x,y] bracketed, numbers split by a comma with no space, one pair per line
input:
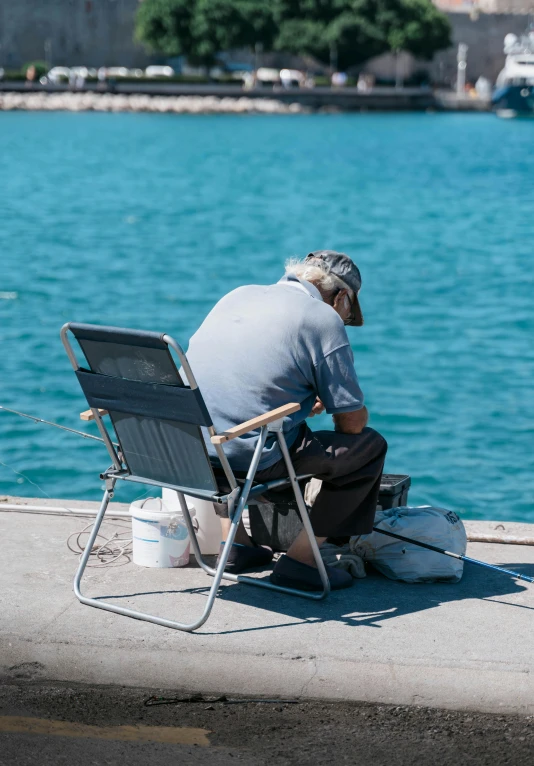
[56,425]
[455,555]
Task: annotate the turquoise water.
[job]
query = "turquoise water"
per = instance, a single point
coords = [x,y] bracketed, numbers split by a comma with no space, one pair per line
[146,220]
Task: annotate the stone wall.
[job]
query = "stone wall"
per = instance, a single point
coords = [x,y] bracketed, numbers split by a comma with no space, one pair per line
[100,33]
[81,32]
[483,33]
[485,37]
[523,7]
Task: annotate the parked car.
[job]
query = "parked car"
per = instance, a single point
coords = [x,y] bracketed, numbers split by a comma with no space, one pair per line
[83,71]
[58,74]
[291,78]
[266,76]
[159,71]
[117,71]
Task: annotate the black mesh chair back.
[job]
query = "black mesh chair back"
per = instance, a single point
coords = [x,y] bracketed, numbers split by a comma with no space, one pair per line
[156,417]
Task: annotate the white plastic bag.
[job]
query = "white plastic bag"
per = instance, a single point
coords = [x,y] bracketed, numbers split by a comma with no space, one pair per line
[410,563]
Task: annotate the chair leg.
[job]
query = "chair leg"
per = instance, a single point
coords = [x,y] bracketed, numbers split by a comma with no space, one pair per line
[309,531]
[305,515]
[235,515]
[192,534]
[218,574]
[88,548]
[194,540]
[98,604]
[307,526]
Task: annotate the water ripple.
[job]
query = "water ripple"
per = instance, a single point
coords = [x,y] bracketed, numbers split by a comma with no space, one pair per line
[147,220]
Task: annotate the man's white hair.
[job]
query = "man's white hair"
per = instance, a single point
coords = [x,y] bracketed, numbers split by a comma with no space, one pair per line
[318,273]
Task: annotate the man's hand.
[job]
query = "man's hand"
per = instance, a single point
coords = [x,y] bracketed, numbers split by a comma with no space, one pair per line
[317,408]
[351,422]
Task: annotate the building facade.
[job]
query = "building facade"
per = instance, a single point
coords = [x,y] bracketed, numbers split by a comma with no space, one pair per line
[69,33]
[100,33]
[484,35]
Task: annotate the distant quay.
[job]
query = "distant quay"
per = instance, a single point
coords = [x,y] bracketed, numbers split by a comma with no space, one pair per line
[115,102]
[231,99]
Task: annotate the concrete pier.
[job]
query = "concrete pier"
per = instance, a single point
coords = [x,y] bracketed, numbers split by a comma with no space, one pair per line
[464,646]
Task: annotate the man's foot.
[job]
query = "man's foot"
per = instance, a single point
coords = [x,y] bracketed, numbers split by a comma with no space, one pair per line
[291,573]
[244,557]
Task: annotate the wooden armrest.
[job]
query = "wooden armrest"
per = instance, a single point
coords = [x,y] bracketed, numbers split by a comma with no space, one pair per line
[88,414]
[251,425]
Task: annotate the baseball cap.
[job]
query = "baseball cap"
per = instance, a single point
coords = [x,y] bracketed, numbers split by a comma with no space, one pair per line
[343,267]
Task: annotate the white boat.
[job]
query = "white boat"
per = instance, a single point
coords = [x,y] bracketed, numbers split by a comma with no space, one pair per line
[514,89]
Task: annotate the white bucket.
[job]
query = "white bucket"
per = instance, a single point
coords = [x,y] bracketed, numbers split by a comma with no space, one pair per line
[160,537]
[205,520]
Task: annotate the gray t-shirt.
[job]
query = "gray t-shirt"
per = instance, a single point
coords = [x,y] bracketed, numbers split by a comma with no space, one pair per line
[263,346]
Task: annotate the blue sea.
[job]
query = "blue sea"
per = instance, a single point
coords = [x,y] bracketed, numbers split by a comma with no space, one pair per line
[146,220]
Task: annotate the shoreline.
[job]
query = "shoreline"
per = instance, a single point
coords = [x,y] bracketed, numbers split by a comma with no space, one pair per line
[497,531]
[231,100]
[116,102]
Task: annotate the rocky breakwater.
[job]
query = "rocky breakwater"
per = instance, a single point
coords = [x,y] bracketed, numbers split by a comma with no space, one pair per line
[116,102]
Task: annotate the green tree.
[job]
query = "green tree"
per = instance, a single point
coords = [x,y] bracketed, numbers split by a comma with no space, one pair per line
[423,29]
[355,29]
[164,26]
[222,25]
[199,29]
[359,29]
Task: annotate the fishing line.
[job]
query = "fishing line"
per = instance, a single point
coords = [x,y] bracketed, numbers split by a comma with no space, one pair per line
[116,550]
[62,428]
[47,423]
[25,477]
[56,425]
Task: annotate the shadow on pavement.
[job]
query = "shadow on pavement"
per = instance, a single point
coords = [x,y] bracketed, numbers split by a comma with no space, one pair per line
[370,602]
[376,599]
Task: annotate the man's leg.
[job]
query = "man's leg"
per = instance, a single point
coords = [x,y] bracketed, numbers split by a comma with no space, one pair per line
[350,467]
[244,554]
[241,536]
[300,548]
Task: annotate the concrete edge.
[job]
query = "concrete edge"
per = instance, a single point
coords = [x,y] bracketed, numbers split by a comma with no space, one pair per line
[474,526]
[48,502]
[453,688]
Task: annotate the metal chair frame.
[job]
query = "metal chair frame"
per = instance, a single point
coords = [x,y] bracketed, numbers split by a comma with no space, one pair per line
[237,500]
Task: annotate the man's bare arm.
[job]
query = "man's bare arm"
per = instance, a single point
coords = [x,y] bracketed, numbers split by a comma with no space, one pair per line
[351,422]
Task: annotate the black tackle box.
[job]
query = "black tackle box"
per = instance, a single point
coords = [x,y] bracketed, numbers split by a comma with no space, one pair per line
[276,522]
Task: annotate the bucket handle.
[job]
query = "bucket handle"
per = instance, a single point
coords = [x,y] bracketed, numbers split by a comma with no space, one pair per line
[194,519]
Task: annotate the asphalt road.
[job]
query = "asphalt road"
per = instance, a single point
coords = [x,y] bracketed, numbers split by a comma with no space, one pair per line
[102,726]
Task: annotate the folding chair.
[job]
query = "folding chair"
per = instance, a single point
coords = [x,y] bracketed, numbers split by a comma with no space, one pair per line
[131,376]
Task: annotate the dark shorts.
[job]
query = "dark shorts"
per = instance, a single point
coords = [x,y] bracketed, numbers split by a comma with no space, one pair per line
[350,467]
